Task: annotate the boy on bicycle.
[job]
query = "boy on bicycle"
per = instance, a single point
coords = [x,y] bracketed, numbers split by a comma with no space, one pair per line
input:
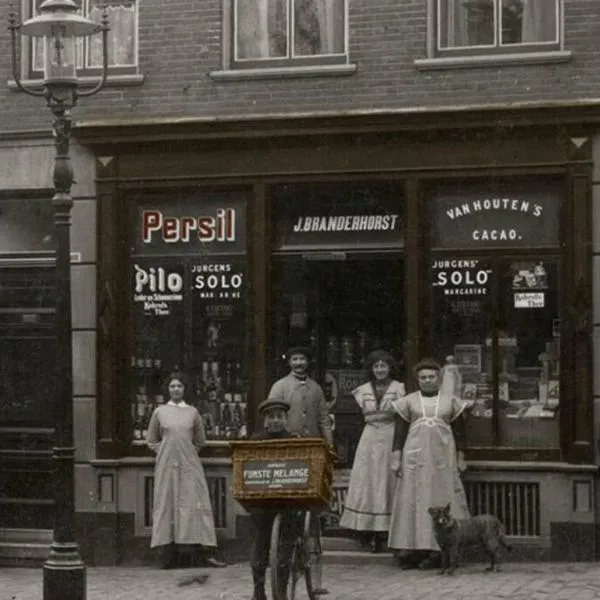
[274,413]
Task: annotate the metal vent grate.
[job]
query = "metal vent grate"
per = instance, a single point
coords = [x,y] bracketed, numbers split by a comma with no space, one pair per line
[217,486]
[516,504]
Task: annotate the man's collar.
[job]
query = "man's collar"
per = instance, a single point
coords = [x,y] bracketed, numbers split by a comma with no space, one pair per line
[299,377]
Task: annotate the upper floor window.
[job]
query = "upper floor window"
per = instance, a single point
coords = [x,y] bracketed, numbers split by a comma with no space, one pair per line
[492,26]
[288,32]
[122,38]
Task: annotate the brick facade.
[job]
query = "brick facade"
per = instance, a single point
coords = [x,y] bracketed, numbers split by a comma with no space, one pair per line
[181,43]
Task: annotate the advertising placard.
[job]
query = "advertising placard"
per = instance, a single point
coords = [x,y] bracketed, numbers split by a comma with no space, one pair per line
[196,223]
[273,475]
[483,216]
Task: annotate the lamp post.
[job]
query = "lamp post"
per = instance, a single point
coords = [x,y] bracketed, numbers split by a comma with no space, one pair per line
[59,26]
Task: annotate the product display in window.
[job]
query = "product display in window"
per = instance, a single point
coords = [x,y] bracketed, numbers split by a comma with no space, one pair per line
[147,373]
[188,307]
[221,396]
[505,343]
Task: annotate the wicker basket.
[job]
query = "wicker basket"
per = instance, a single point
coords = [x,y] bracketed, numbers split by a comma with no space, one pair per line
[295,472]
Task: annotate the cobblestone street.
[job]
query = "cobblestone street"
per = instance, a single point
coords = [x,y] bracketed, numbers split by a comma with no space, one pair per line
[381,581]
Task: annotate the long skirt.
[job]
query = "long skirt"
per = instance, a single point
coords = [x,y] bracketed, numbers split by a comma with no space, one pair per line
[370,491]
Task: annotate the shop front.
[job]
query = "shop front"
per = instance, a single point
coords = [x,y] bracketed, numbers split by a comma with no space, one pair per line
[218,254]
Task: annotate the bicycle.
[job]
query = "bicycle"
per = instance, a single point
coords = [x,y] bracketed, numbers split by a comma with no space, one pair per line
[305,560]
[291,476]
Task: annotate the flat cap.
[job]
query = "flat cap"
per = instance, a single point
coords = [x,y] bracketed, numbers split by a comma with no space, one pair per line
[270,403]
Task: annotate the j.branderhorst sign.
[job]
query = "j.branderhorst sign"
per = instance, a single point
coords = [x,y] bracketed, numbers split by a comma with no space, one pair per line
[274,475]
[506,216]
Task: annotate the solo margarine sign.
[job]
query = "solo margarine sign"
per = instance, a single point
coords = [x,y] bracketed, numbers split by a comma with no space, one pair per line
[511,215]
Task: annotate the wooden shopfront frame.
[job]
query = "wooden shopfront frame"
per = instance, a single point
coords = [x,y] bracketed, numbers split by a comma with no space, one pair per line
[417,150]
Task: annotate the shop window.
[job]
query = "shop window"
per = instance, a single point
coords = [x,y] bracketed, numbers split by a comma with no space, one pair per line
[496,311]
[337,286]
[188,306]
[122,38]
[275,33]
[496,26]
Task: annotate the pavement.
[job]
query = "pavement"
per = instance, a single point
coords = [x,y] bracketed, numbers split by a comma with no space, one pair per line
[373,580]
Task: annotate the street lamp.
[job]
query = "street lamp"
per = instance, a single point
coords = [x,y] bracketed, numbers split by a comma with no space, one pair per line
[59,24]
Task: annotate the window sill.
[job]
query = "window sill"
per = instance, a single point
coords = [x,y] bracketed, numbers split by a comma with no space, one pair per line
[84,82]
[459,62]
[542,466]
[283,72]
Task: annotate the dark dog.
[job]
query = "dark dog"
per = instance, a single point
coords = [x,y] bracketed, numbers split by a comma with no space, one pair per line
[485,531]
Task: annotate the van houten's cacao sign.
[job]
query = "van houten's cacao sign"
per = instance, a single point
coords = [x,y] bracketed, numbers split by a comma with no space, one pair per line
[512,216]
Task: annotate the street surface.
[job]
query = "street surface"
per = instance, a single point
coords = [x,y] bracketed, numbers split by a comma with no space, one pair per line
[379,580]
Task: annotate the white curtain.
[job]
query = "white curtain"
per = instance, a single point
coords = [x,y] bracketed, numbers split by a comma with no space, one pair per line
[466,23]
[330,16]
[262,26]
[261,29]
[538,21]
[455,20]
[121,37]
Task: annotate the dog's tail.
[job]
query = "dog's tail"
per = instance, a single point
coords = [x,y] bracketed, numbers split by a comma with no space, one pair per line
[502,538]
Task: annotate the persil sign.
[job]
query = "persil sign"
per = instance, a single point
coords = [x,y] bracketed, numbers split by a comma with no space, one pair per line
[216,227]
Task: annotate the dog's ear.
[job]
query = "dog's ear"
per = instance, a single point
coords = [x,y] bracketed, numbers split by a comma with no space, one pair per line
[430,511]
[447,508]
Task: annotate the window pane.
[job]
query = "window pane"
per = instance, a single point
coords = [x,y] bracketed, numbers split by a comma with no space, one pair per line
[466,23]
[318,27]
[27,226]
[37,43]
[461,314]
[218,341]
[188,307]
[158,335]
[529,21]
[528,353]
[261,29]
[121,37]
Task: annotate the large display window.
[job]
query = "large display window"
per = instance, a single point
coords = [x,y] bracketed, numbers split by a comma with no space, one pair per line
[188,308]
[337,285]
[496,308]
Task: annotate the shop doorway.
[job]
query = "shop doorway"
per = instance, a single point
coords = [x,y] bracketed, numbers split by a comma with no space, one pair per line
[343,306]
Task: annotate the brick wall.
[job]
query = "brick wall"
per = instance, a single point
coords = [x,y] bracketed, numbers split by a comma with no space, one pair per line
[180,43]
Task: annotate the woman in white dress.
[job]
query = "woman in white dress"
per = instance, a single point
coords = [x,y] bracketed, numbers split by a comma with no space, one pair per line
[183,515]
[369,499]
[428,458]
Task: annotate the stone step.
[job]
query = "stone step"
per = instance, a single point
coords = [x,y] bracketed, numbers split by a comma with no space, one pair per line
[355,557]
[24,547]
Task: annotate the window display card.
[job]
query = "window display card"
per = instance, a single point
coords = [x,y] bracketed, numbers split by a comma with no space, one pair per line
[529,300]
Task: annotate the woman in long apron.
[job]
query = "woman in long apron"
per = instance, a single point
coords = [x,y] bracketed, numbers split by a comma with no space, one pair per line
[369,499]
[182,516]
[427,458]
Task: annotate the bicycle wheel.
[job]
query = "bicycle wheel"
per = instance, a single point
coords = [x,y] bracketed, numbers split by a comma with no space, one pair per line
[296,568]
[311,554]
[274,552]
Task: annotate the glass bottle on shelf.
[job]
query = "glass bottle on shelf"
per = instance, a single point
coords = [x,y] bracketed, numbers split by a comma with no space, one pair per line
[362,345]
[332,353]
[347,352]
[238,389]
[214,371]
[227,383]
[211,389]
